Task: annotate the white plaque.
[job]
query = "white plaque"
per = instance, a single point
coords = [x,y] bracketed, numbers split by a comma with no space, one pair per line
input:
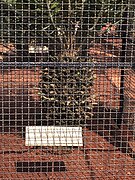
[38,49]
[53,136]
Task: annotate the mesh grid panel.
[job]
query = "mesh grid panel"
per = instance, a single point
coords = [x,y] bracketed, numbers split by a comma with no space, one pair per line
[67,89]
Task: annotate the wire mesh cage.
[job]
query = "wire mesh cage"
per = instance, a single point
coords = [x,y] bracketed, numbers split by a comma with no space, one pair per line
[67,89]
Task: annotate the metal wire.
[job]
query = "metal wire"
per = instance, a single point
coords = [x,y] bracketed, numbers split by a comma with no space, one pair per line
[69,64]
[67,89]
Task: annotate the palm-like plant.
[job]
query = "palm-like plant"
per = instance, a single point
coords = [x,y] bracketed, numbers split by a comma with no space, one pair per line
[66,90]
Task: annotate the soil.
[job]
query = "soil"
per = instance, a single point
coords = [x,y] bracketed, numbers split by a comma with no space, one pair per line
[75,164]
[98,159]
[19,97]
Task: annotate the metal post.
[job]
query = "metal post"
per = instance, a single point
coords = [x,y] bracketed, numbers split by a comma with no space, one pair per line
[122,60]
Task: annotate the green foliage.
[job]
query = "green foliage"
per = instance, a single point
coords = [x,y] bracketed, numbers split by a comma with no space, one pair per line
[46,19]
[9,2]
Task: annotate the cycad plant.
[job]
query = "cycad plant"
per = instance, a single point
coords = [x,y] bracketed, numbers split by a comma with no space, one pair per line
[67,91]
[66,94]
[67,88]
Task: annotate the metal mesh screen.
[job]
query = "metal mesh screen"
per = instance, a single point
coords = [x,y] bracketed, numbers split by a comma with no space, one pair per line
[67,89]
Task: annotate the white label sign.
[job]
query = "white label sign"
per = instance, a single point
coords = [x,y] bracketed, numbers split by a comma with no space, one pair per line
[53,136]
[38,49]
